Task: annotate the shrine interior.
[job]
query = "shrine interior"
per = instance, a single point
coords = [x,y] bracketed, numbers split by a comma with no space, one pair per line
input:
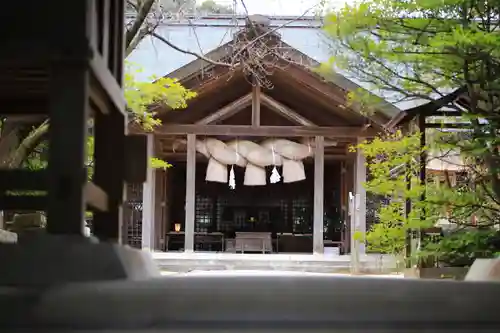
[283,210]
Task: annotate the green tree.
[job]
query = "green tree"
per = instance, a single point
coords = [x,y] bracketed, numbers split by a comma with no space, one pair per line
[391,166]
[212,7]
[421,50]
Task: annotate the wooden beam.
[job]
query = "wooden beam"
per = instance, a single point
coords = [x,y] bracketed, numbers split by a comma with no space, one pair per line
[285,111]
[227,111]
[270,131]
[181,157]
[190,194]
[256,96]
[28,180]
[96,197]
[108,82]
[319,183]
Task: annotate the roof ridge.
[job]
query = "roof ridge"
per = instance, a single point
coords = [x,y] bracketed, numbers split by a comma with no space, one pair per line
[242,17]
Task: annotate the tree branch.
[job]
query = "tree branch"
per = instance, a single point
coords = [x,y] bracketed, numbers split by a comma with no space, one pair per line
[197,55]
[142,15]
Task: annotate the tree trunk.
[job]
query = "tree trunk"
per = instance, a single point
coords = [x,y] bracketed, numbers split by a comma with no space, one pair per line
[15,158]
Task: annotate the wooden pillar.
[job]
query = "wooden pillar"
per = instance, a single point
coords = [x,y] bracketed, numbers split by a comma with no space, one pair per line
[423,153]
[409,232]
[417,234]
[349,190]
[319,175]
[360,193]
[69,112]
[160,193]
[256,104]
[190,193]
[148,202]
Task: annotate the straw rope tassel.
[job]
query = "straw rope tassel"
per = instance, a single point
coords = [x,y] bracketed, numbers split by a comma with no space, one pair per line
[232,179]
[275,176]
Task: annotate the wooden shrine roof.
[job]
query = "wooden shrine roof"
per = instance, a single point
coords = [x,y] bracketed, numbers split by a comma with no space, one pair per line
[318,100]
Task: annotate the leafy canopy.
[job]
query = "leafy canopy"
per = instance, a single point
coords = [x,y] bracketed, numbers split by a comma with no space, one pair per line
[142,95]
[421,50]
[418,48]
[391,163]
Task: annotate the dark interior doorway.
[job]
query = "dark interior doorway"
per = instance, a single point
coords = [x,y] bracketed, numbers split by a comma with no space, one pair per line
[276,208]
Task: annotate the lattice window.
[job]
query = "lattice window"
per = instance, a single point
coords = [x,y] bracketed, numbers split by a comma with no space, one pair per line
[240,218]
[222,223]
[133,215]
[204,214]
[284,215]
[301,216]
[134,192]
[134,227]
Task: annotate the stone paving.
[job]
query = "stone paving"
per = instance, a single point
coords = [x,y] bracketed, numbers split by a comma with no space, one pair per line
[272,273]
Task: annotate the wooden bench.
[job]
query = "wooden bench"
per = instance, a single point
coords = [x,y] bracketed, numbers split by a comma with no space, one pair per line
[253,242]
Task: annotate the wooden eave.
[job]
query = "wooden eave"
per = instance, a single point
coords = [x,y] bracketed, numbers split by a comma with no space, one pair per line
[427,109]
[204,77]
[314,91]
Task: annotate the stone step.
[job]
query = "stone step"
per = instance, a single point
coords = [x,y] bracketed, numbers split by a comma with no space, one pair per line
[187,265]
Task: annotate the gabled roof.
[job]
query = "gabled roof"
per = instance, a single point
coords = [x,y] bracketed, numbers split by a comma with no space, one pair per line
[199,73]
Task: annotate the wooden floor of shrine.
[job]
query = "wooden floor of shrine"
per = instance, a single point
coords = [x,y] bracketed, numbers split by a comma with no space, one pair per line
[319,263]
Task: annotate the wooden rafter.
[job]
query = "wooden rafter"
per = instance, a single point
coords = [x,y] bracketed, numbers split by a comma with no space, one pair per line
[269,131]
[285,111]
[227,111]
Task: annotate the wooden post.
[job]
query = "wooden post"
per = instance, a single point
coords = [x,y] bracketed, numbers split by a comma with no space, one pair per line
[352,227]
[360,191]
[417,234]
[319,168]
[148,201]
[160,194]
[190,193]
[408,207]
[69,113]
[349,191]
[256,104]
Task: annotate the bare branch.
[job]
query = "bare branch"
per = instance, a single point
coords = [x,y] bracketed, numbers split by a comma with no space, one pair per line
[197,55]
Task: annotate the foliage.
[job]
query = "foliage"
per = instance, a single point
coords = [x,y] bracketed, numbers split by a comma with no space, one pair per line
[140,96]
[391,164]
[417,47]
[461,248]
[157,163]
[212,7]
[419,51]
[394,159]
